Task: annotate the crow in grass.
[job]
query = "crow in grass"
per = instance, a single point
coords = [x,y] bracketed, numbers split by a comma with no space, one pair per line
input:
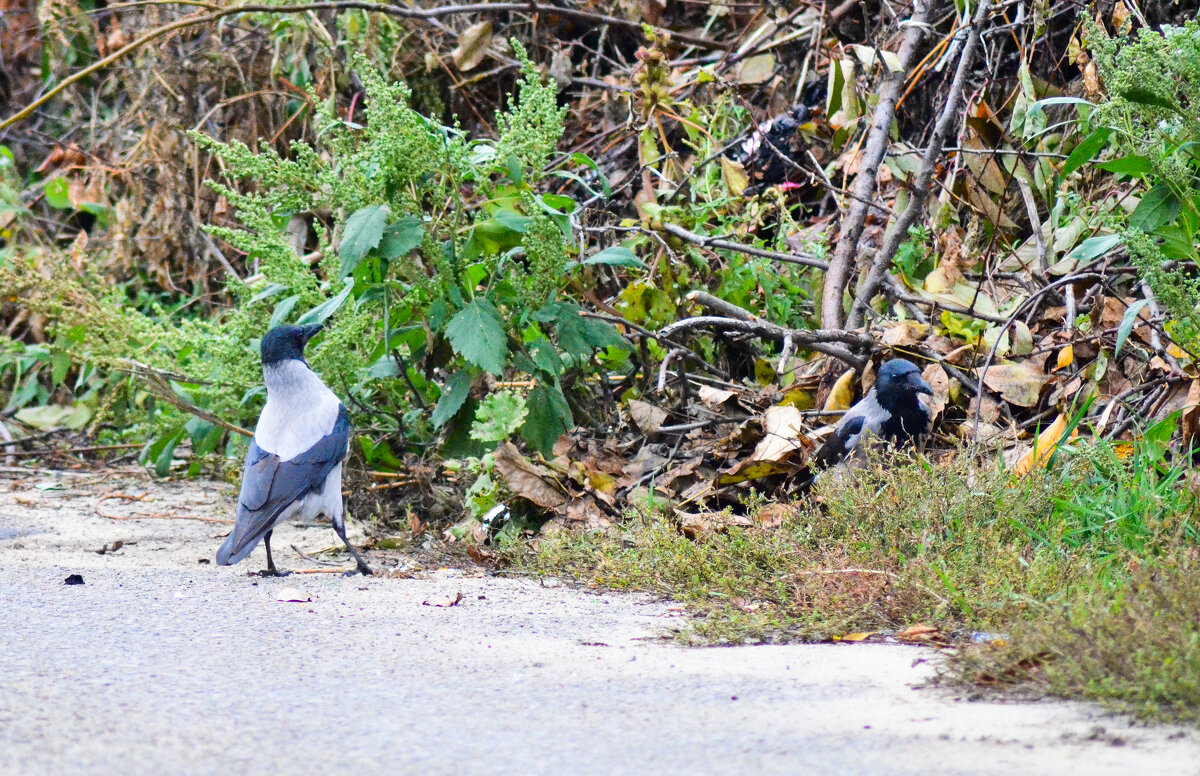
[294,465]
[890,411]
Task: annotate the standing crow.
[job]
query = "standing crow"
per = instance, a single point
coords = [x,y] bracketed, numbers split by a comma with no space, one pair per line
[294,465]
[890,410]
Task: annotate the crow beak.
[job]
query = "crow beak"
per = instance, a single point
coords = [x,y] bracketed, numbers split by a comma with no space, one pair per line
[919,385]
[311,331]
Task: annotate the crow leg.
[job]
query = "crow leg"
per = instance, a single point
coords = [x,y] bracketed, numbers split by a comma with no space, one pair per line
[270,571]
[340,528]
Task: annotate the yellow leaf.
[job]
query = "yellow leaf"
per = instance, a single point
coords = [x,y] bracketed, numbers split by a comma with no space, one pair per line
[1044,446]
[734,175]
[754,470]
[861,636]
[1066,357]
[797,397]
[842,395]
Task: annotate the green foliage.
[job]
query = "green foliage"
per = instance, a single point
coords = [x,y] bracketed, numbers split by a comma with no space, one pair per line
[914,259]
[1153,83]
[437,258]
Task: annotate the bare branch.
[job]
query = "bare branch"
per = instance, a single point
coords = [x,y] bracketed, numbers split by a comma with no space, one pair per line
[946,123]
[864,184]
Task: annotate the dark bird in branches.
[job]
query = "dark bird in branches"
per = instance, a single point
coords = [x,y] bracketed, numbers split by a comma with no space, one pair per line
[891,411]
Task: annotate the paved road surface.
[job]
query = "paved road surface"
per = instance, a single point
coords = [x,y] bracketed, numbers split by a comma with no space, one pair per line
[161,664]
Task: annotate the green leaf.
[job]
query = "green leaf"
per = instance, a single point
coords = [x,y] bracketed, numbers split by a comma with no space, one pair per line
[498,417]
[1130,164]
[584,159]
[617,256]
[271,289]
[401,237]
[454,394]
[363,231]
[512,220]
[579,336]
[1159,206]
[1146,97]
[61,364]
[549,417]
[327,308]
[162,461]
[57,195]
[1127,324]
[477,334]
[282,310]
[1086,150]
[1094,247]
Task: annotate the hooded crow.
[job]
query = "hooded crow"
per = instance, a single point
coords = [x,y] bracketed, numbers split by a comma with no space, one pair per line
[294,465]
[890,410]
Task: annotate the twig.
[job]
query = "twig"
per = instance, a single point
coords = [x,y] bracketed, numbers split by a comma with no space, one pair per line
[946,122]
[125,496]
[864,184]
[665,365]
[987,363]
[803,259]
[157,381]
[813,340]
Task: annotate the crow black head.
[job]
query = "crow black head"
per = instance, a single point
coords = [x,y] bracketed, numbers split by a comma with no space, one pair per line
[899,380]
[287,342]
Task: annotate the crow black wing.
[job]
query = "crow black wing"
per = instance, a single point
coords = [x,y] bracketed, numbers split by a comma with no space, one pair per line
[840,443]
[271,485]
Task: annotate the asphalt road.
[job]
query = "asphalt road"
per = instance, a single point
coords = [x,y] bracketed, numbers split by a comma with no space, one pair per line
[159,664]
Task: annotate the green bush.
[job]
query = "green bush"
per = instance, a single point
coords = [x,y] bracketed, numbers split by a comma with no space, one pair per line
[438,261]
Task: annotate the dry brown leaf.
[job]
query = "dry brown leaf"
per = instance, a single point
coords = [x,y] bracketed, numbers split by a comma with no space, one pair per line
[939,381]
[773,515]
[526,479]
[905,333]
[649,419]
[782,434]
[472,46]
[1190,420]
[1020,384]
[921,634]
[714,397]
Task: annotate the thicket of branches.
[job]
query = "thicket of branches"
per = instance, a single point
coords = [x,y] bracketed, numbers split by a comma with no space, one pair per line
[589,250]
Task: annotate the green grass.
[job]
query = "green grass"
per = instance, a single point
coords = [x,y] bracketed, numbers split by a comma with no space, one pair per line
[1084,565]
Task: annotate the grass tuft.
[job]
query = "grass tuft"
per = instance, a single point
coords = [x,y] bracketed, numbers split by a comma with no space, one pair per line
[1087,566]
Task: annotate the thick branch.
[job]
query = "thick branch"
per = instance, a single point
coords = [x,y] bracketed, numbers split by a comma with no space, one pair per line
[946,123]
[868,169]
